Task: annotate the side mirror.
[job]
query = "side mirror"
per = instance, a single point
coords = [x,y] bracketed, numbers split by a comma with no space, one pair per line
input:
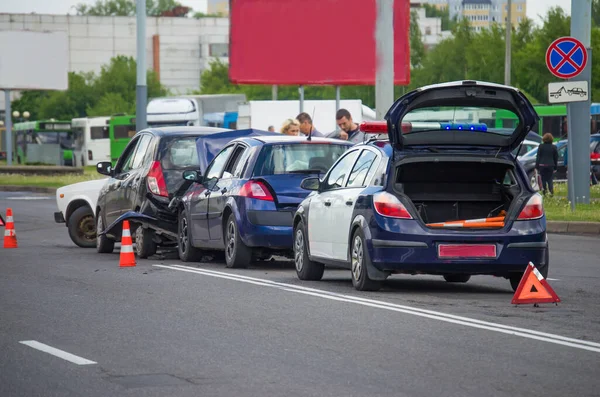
[194,176]
[105,168]
[311,183]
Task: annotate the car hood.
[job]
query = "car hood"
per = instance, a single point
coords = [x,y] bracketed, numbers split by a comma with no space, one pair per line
[88,186]
[460,94]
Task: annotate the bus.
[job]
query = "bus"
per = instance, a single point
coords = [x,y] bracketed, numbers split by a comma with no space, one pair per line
[121,129]
[92,140]
[553,119]
[43,142]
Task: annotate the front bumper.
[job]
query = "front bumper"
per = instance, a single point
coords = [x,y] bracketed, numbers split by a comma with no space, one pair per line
[59,217]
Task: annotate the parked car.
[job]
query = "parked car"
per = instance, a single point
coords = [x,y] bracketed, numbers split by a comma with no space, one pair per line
[148,175]
[525,148]
[528,163]
[436,198]
[76,204]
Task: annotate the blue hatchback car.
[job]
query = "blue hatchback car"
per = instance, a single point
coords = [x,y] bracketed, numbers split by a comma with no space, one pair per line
[245,201]
[443,195]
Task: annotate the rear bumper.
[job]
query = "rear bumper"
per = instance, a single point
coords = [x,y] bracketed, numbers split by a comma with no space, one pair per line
[418,254]
[268,229]
[59,217]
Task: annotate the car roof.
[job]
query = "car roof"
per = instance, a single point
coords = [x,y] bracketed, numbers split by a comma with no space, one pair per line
[184,130]
[296,139]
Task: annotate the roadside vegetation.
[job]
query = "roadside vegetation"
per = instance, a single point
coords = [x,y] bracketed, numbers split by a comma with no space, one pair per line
[560,190]
[53,181]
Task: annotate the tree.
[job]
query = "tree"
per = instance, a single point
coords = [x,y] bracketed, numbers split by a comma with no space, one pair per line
[417,49]
[126,8]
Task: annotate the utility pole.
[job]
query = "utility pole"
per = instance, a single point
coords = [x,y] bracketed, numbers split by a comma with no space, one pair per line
[507,55]
[578,113]
[8,125]
[274,92]
[384,38]
[141,89]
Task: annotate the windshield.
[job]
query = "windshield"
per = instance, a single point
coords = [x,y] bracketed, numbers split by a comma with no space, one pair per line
[478,120]
[298,158]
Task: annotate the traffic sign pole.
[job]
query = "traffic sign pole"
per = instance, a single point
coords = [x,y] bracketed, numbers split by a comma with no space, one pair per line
[578,113]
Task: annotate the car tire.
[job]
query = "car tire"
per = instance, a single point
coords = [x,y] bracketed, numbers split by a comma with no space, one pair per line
[104,245]
[237,254]
[82,227]
[515,278]
[457,278]
[305,268]
[144,245]
[359,260]
[187,252]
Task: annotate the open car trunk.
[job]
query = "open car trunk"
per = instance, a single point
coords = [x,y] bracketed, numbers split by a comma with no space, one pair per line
[457,189]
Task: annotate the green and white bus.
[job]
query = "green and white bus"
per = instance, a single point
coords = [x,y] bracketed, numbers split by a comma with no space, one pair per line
[30,137]
[121,129]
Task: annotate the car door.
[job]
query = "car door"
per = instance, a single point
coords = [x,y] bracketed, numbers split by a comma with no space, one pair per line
[344,200]
[321,222]
[218,196]
[133,185]
[112,197]
[200,196]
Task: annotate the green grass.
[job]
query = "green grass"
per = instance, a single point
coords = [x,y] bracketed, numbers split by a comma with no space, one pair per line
[559,209]
[54,181]
[560,189]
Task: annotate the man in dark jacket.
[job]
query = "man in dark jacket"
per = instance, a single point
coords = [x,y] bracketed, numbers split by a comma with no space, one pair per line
[546,162]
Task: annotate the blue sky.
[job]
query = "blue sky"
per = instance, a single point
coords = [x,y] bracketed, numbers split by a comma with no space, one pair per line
[534,7]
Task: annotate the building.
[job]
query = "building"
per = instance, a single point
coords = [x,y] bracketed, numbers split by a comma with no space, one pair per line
[177,49]
[220,7]
[431,28]
[482,13]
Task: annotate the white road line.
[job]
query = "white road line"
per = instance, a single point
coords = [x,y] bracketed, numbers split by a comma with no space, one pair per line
[466,321]
[28,198]
[553,279]
[58,353]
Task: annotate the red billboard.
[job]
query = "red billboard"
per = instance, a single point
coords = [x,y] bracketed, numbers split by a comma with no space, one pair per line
[312,42]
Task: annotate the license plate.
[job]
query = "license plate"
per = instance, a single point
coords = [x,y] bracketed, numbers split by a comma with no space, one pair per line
[467,251]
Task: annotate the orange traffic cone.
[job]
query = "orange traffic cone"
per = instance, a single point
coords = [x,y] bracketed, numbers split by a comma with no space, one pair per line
[127,258]
[10,236]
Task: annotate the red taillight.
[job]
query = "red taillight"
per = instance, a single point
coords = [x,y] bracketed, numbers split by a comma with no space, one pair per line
[156,180]
[256,190]
[534,209]
[595,156]
[387,204]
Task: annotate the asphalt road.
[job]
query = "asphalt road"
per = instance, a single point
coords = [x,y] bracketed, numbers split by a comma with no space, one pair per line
[166,328]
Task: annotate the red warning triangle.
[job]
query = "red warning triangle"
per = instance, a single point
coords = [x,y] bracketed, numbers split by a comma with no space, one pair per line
[2,221]
[534,288]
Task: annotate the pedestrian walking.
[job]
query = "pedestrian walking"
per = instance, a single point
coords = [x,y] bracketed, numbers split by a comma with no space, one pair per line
[546,162]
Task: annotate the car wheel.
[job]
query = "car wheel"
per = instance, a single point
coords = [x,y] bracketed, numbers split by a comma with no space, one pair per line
[144,246]
[187,252]
[237,254]
[515,278]
[359,256]
[104,245]
[457,278]
[305,268]
[82,228]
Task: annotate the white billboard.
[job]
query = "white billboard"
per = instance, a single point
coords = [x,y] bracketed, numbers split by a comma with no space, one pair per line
[34,60]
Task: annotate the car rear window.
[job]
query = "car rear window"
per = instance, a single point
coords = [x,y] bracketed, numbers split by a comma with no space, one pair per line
[180,153]
[297,158]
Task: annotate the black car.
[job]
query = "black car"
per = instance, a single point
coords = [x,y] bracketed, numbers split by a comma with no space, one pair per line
[148,175]
[528,163]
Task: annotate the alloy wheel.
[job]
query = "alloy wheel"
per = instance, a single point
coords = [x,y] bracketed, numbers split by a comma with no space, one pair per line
[183,235]
[357,258]
[299,250]
[230,250]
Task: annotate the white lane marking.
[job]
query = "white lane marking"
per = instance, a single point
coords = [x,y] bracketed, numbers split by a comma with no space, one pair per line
[28,198]
[57,352]
[553,279]
[470,322]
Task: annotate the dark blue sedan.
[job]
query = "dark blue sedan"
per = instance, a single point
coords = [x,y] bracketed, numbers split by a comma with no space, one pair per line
[442,195]
[245,201]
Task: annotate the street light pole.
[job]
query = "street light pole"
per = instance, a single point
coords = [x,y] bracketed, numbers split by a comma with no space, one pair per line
[507,55]
[141,91]
[384,38]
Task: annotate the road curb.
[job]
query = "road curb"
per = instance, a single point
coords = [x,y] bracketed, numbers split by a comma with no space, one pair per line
[33,189]
[573,227]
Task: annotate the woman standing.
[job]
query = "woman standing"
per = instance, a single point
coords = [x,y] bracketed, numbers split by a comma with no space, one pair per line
[546,162]
[290,127]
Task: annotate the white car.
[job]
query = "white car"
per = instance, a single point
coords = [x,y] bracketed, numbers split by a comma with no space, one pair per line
[526,148]
[76,207]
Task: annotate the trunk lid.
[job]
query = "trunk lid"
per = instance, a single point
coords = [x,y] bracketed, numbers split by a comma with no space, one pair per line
[458,114]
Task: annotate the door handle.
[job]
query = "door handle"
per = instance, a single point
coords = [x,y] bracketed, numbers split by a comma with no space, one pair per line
[349,201]
[206,193]
[327,203]
[223,190]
